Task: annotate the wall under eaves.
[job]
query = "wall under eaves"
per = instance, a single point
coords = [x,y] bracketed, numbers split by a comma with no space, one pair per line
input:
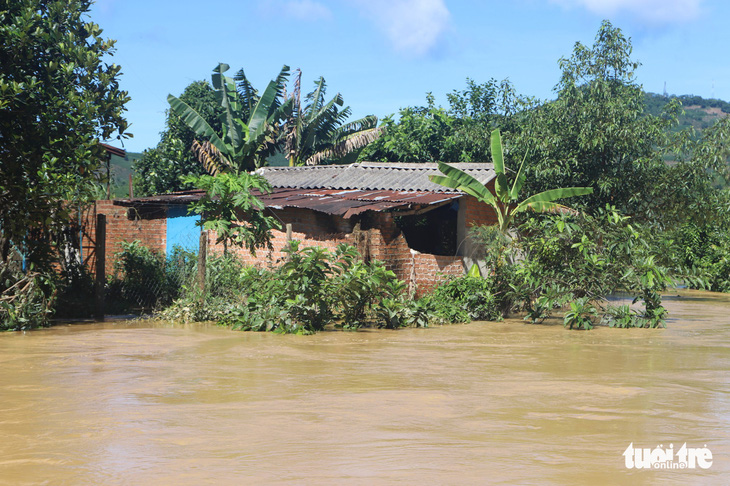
[374,234]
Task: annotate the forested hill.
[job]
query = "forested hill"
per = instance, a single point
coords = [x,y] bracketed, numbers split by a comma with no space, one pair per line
[699,112]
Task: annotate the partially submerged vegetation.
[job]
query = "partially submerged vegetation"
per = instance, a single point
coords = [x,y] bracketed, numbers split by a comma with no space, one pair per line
[314,288]
[549,266]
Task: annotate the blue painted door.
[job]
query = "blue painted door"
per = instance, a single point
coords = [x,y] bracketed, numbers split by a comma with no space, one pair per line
[181,229]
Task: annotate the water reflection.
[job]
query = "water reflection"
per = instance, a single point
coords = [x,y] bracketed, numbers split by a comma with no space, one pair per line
[155,403]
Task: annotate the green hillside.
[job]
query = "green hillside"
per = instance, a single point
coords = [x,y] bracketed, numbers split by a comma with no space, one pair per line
[121,170]
[699,112]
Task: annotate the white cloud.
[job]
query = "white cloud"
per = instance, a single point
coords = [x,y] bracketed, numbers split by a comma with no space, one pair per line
[413,27]
[651,11]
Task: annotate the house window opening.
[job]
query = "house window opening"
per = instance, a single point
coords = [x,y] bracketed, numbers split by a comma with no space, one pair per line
[433,232]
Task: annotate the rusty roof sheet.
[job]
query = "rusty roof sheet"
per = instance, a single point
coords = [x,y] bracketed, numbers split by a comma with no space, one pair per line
[370,176]
[172,199]
[345,203]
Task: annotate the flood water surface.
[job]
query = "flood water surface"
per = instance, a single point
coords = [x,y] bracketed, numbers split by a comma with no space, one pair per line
[484,403]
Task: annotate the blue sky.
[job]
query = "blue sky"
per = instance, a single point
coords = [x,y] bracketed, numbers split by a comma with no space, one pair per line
[386,54]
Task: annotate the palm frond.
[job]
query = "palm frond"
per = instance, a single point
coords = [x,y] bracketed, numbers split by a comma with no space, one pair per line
[348,145]
[249,94]
[365,123]
[212,159]
[315,99]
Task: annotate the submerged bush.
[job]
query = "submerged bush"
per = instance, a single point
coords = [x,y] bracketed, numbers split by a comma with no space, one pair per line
[311,289]
[702,256]
[145,279]
[571,262]
[26,299]
[464,299]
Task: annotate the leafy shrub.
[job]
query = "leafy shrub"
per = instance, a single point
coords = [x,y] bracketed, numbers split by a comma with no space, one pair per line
[703,257]
[466,298]
[581,314]
[145,279]
[311,289]
[576,260]
[76,291]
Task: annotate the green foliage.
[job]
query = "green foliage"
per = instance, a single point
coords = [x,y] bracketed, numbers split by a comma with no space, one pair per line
[248,122]
[504,202]
[230,209]
[75,297]
[161,168]
[26,299]
[567,258]
[694,188]
[459,133]
[581,314]
[313,288]
[595,133]
[703,257]
[145,279]
[58,97]
[620,316]
[463,299]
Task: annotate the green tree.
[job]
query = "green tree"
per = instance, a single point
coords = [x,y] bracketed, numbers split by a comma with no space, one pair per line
[504,202]
[696,186]
[459,133]
[58,98]
[318,132]
[596,132]
[229,209]
[249,122]
[160,169]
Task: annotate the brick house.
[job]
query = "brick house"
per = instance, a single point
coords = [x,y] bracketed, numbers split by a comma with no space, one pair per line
[389,211]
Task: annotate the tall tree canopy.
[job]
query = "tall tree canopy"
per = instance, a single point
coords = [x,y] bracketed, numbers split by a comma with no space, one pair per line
[459,133]
[58,98]
[596,132]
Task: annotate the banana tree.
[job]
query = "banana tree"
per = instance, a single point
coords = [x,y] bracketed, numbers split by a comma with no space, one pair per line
[504,201]
[317,132]
[249,123]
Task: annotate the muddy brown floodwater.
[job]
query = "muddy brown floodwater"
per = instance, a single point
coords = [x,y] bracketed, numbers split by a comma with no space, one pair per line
[484,403]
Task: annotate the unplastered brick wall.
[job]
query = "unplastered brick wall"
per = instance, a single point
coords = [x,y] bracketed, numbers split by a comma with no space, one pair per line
[310,228]
[420,271]
[375,235]
[149,226]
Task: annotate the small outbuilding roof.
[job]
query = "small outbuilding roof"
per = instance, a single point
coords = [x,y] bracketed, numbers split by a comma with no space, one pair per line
[370,176]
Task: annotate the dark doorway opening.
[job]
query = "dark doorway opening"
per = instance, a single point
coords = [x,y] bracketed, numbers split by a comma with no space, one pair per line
[433,232]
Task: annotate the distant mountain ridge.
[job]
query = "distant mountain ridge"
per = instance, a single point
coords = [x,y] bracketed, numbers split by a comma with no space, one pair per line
[699,112]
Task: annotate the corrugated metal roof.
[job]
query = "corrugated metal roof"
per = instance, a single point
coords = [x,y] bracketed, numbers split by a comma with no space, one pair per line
[370,176]
[345,203]
[175,198]
[114,150]
[345,190]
